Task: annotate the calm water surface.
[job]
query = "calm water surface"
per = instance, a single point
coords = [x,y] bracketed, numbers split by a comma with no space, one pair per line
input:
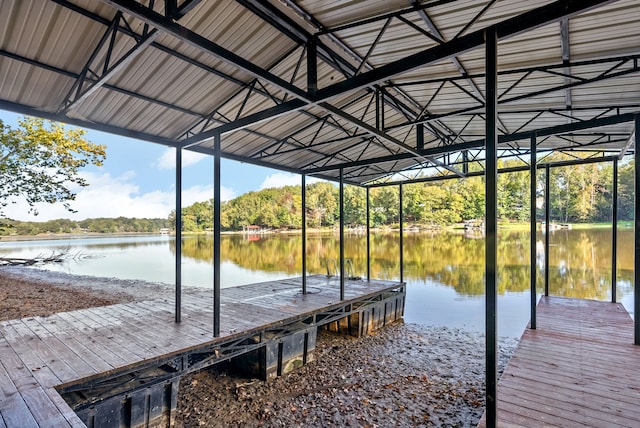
[444,271]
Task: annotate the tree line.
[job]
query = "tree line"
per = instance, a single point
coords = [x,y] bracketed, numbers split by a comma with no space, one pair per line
[92,225]
[579,194]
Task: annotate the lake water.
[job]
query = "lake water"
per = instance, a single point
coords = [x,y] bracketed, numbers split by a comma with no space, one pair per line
[444,271]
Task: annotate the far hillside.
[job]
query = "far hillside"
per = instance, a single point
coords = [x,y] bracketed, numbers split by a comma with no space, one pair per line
[579,194]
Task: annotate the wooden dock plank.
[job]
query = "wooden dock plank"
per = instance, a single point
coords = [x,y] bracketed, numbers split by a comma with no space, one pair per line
[13,408]
[24,402]
[577,369]
[39,353]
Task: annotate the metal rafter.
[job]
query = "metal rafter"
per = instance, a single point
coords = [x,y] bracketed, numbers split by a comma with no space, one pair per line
[527,21]
[168,26]
[301,36]
[566,58]
[455,60]
[502,139]
[611,73]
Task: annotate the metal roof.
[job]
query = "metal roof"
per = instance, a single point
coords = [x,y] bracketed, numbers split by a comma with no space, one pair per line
[183,72]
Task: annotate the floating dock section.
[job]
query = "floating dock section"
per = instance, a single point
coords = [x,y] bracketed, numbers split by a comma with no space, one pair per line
[579,368]
[120,365]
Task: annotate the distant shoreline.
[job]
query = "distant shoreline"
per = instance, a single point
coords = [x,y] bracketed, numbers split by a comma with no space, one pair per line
[451,228]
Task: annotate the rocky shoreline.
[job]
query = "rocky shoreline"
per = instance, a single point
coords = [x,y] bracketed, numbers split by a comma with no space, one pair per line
[404,375]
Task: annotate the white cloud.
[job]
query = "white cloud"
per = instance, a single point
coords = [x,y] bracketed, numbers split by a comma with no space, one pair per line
[204,193]
[108,196]
[168,159]
[281,179]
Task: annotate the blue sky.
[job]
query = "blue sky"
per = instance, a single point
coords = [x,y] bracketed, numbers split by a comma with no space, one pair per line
[138,180]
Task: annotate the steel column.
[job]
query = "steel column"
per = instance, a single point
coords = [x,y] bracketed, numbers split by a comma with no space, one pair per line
[465,162]
[312,66]
[614,232]
[368,235]
[401,218]
[377,95]
[420,136]
[304,234]
[342,234]
[532,224]
[491,225]
[178,259]
[547,228]
[216,235]
[636,260]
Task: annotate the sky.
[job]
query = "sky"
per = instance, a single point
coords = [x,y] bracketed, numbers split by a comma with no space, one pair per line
[138,180]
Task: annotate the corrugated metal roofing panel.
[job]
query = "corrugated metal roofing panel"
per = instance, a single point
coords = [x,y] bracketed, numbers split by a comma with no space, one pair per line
[48,33]
[333,13]
[30,86]
[607,31]
[169,93]
[453,17]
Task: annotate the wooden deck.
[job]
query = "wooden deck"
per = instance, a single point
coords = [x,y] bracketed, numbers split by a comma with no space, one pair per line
[39,353]
[580,368]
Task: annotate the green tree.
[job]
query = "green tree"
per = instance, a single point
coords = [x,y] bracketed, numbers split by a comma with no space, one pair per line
[40,161]
[513,192]
[355,205]
[626,177]
[322,204]
[386,203]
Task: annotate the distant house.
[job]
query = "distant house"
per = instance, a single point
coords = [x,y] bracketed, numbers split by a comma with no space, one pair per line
[254,230]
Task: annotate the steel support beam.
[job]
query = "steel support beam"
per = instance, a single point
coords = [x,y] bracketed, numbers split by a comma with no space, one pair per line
[304,234]
[401,221]
[533,229]
[83,93]
[519,24]
[614,234]
[500,171]
[547,227]
[478,144]
[527,21]
[385,137]
[491,224]
[217,201]
[342,264]
[456,62]
[172,28]
[178,260]
[368,234]
[636,260]
[312,66]
[566,58]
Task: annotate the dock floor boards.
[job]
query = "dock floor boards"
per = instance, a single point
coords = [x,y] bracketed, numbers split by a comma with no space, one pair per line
[39,353]
[579,368]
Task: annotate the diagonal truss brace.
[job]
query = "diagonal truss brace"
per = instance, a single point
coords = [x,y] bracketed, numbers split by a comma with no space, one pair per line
[91,79]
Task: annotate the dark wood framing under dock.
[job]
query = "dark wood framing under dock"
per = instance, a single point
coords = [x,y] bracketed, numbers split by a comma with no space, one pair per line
[121,364]
[579,368]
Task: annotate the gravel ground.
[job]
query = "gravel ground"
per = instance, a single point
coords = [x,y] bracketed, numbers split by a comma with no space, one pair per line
[405,375]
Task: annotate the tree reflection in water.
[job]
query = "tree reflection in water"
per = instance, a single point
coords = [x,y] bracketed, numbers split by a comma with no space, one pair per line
[580,260]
